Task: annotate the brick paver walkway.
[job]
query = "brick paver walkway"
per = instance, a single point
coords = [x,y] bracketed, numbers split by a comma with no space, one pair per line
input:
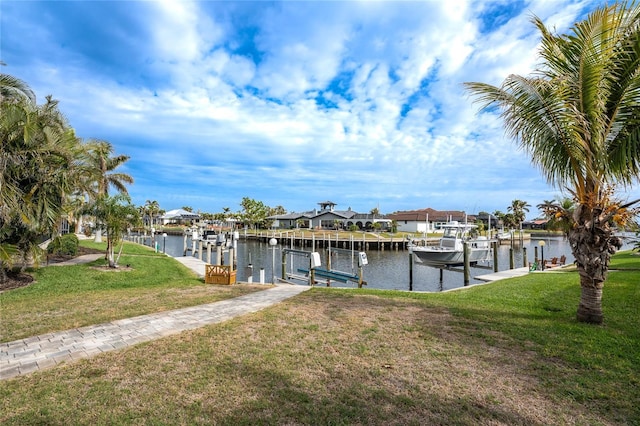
[48,350]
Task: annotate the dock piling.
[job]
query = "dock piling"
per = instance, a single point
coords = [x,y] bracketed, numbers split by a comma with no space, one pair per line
[511,260]
[467,272]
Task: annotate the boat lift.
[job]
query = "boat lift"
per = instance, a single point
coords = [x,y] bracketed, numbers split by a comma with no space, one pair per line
[314,272]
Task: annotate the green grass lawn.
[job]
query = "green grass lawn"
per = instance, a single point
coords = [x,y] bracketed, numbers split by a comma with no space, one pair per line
[64,297]
[505,353]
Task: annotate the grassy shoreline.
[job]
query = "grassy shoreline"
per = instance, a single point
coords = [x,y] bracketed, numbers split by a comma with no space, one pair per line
[506,353]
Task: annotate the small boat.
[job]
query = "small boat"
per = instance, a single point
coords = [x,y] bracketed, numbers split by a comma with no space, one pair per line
[505,235]
[449,251]
[213,236]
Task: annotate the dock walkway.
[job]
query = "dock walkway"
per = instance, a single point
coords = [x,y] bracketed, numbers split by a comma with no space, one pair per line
[501,275]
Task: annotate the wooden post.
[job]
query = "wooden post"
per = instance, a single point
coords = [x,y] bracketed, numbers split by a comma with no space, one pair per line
[524,257]
[200,254]
[410,270]
[312,274]
[219,255]
[283,271]
[232,255]
[467,274]
[184,253]
[495,256]
[209,252]
[329,263]
[511,261]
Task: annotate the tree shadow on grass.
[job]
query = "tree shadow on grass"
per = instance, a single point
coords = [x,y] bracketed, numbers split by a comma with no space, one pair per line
[281,401]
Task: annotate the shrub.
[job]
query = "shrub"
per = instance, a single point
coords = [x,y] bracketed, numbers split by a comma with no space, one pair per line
[64,244]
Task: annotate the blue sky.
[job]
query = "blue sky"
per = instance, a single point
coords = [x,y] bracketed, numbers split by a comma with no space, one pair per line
[291,103]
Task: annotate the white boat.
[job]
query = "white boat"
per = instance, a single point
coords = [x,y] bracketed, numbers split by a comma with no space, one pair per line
[449,251]
[505,235]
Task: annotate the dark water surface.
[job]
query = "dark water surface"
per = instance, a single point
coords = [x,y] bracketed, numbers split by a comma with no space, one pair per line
[386,269]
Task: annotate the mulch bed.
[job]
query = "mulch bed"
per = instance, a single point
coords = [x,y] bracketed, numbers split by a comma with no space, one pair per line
[15,279]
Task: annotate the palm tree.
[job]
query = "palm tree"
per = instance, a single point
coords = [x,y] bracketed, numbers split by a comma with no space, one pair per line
[117,214]
[560,214]
[578,119]
[152,208]
[547,207]
[15,90]
[500,216]
[518,209]
[39,154]
[101,165]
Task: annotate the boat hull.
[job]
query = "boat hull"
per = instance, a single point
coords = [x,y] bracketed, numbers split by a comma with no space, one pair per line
[435,256]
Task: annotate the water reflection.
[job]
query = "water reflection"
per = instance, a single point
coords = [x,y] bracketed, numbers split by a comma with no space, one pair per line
[386,269]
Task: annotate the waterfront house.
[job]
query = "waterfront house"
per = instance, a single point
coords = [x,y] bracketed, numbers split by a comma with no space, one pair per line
[535,224]
[427,220]
[179,216]
[327,217]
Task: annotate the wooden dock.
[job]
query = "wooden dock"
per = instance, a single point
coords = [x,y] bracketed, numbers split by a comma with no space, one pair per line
[321,240]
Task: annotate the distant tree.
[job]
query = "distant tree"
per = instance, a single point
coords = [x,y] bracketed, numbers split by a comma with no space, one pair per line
[187,208]
[559,213]
[374,211]
[547,208]
[253,212]
[277,210]
[510,221]
[207,216]
[500,217]
[519,209]
[152,208]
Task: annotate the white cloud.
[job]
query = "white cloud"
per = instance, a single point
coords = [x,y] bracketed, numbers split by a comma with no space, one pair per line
[205,108]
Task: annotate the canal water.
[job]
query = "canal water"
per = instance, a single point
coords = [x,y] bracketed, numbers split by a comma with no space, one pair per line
[385,270]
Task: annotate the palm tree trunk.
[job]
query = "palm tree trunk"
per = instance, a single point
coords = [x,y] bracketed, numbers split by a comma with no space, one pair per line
[590,307]
[592,243]
[112,262]
[98,235]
